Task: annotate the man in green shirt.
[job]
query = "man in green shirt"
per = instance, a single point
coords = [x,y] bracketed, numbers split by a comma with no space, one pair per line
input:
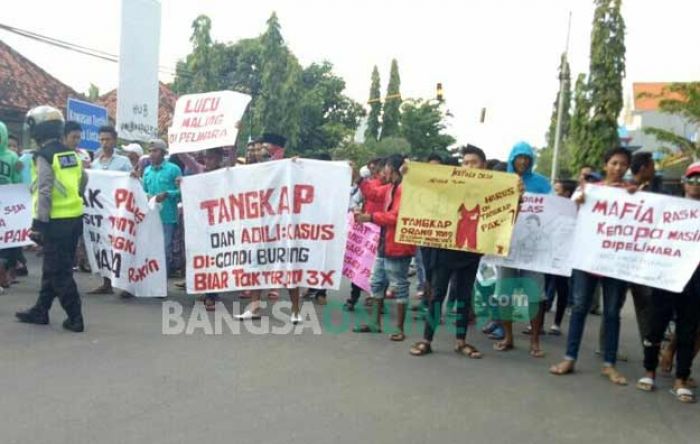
[160,181]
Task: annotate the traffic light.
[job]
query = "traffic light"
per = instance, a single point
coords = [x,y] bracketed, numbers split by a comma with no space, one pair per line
[439,95]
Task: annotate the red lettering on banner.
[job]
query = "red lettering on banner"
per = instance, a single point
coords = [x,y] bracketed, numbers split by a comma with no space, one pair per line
[16,235]
[644,248]
[202,105]
[141,273]
[211,281]
[125,198]
[621,211]
[256,204]
[677,216]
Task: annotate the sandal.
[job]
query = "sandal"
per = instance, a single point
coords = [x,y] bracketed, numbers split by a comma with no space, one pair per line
[469,351]
[646,384]
[683,394]
[614,376]
[364,328]
[537,353]
[398,337]
[420,349]
[503,346]
[563,368]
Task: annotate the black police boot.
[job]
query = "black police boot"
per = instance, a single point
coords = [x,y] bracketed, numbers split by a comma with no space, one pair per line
[33,316]
[74,324]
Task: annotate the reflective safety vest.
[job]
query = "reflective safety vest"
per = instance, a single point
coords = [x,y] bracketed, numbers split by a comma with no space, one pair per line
[66,201]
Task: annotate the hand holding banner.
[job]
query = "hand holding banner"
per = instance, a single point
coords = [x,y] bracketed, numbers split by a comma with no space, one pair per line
[458,208]
[123,236]
[360,252]
[208,120]
[278,224]
[543,236]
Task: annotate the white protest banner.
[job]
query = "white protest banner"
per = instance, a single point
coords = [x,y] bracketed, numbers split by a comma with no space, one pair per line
[123,235]
[208,120]
[360,252]
[543,236]
[137,95]
[644,238]
[278,224]
[15,216]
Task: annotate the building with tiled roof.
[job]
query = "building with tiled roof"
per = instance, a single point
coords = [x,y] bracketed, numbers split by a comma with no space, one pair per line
[646,113]
[23,85]
[648,95]
[166,106]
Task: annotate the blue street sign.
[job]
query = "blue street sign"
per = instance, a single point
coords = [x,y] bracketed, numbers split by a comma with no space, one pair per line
[91,117]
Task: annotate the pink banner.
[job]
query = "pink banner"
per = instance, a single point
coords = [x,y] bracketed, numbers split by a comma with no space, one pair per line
[360,252]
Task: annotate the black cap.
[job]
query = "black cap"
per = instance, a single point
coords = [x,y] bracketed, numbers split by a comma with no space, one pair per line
[274,139]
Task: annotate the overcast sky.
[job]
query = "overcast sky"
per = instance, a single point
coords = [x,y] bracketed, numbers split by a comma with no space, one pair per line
[498,54]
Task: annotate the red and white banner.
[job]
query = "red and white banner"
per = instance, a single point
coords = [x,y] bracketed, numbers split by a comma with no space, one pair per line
[360,252]
[15,216]
[644,238]
[278,224]
[123,234]
[207,120]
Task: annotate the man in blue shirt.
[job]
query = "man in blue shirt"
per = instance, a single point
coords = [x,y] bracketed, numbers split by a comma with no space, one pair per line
[160,181]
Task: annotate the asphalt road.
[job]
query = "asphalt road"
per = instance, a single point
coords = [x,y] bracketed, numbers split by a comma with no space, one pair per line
[123,381]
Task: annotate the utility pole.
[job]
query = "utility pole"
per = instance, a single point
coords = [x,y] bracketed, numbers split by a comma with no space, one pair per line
[563,79]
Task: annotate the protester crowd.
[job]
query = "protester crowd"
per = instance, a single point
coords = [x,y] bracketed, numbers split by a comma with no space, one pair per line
[443,275]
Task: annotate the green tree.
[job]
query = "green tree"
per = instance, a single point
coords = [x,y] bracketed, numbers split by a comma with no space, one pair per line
[607,69]
[93,93]
[375,103]
[389,146]
[391,117]
[681,99]
[422,125]
[305,105]
[579,131]
[359,153]
[200,72]
[274,110]
[328,117]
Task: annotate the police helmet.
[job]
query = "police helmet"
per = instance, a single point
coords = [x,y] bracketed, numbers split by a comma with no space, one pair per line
[44,123]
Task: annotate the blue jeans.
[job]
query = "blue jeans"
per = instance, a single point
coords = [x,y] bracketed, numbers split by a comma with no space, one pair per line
[614,293]
[391,273]
[168,231]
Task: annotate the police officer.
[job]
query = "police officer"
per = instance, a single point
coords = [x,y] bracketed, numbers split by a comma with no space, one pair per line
[58,182]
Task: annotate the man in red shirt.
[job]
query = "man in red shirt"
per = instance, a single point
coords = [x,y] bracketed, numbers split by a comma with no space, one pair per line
[393,259]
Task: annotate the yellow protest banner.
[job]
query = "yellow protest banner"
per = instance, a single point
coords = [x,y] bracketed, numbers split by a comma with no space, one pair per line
[458,208]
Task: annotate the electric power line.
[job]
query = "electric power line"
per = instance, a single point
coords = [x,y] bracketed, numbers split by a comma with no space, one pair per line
[103,55]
